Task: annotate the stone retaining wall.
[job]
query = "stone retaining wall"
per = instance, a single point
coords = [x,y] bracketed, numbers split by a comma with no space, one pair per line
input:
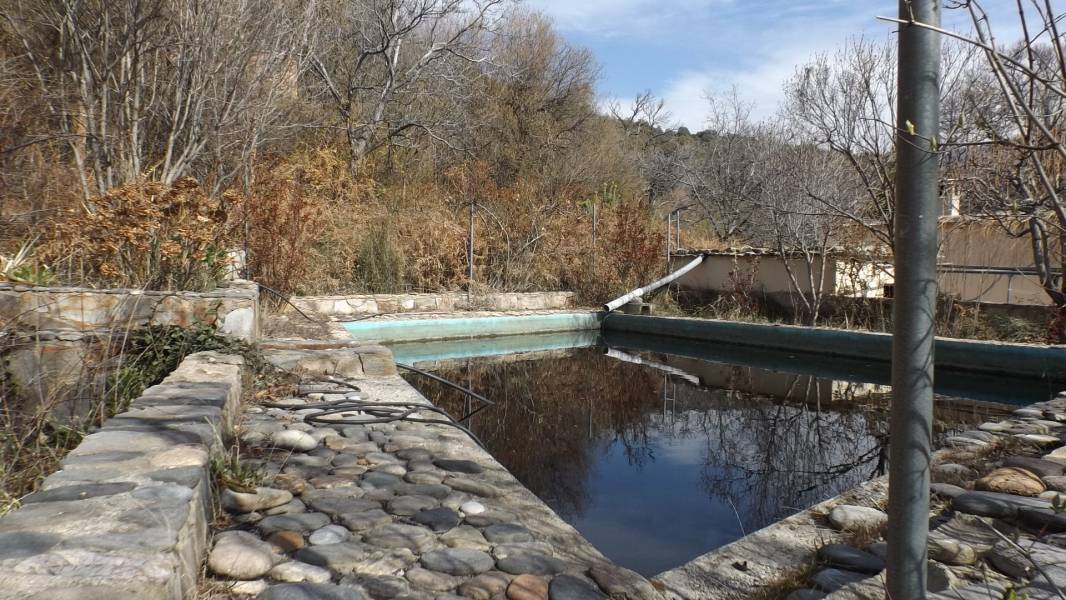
[366,304]
[127,515]
[55,334]
[233,309]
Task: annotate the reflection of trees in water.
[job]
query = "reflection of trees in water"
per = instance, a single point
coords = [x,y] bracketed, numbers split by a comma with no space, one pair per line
[768,457]
[553,415]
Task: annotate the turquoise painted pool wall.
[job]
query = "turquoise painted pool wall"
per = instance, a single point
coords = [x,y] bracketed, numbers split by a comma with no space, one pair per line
[461,327]
[1047,362]
[413,353]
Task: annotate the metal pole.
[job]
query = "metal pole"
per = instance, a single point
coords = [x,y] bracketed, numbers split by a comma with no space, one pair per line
[914,306]
[470,254]
[595,205]
[669,232]
[677,226]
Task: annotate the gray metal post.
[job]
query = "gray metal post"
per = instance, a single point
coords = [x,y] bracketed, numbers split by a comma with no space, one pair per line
[914,306]
[669,232]
[595,222]
[677,227]
[470,254]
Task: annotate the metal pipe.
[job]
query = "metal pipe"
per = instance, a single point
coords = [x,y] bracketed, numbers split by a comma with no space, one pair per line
[1010,271]
[471,393]
[914,308]
[637,293]
[286,300]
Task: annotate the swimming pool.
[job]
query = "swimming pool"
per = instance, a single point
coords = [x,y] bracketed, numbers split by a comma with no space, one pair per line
[658,452]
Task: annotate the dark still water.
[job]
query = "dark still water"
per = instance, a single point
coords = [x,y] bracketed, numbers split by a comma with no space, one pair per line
[658,458]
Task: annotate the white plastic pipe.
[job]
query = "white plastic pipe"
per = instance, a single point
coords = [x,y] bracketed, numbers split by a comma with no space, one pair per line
[637,293]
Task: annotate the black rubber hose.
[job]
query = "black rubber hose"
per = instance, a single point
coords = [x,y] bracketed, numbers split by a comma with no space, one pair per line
[383,412]
[485,401]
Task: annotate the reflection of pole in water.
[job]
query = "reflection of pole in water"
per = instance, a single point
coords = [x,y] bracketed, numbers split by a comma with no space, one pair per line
[669,397]
[467,400]
[664,398]
[590,417]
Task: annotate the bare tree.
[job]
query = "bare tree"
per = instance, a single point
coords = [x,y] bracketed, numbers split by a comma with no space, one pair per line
[846,102]
[154,87]
[649,144]
[1015,150]
[535,105]
[646,114]
[531,119]
[802,180]
[381,62]
[721,169]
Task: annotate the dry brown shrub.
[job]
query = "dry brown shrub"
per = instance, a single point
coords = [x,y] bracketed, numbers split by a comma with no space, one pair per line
[629,252]
[285,214]
[305,220]
[313,227]
[433,243]
[144,235]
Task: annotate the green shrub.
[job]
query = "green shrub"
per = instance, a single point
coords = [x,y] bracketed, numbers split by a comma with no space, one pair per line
[150,354]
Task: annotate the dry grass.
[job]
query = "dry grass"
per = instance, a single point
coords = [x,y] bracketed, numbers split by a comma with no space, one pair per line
[35,434]
[314,228]
[213,589]
[787,583]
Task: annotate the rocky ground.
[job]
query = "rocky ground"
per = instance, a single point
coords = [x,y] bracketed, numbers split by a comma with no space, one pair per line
[997,528]
[395,510]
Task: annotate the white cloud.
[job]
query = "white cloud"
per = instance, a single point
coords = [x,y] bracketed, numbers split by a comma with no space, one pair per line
[684,49]
[619,17]
[761,86]
[686,98]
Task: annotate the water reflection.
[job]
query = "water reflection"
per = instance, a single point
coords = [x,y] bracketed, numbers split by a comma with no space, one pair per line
[659,462]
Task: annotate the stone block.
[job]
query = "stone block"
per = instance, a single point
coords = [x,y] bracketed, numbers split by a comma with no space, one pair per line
[377,361]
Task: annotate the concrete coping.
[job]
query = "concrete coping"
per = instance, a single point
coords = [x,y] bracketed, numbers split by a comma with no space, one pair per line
[964,355]
[238,288]
[127,515]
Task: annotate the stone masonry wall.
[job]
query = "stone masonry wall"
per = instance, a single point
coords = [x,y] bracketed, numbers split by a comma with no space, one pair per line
[56,333]
[127,515]
[364,304]
[233,309]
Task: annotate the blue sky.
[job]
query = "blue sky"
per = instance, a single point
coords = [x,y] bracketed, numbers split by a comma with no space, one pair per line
[681,49]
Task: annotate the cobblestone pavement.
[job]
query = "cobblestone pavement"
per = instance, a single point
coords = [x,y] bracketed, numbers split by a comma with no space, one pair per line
[998,528]
[395,510]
